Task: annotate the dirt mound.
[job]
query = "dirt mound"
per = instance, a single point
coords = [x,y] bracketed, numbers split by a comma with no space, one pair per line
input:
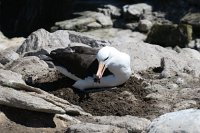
[128,99]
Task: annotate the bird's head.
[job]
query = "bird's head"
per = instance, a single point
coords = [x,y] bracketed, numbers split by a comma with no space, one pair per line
[104,57]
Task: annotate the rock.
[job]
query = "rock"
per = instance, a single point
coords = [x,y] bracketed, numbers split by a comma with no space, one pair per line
[110,10]
[19,99]
[136,11]
[7,56]
[33,70]
[184,105]
[63,120]
[42,39]
[1,66]
[118,36]
[186,64]
[76,37]
[193,19]
[87,18]
[170,35]
[131,123]
[7,43]
[144,25]
[7,75]
[186,121]
[94,128]
[195,44]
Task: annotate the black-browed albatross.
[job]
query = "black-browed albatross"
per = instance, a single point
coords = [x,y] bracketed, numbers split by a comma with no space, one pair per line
[93,68]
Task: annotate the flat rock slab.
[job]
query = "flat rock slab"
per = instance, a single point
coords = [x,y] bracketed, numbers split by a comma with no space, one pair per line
[19,99]
[131,123]
[94,128]
[185,121]
[33,70]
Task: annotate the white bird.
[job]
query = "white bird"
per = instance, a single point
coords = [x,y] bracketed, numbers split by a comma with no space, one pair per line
[110,66]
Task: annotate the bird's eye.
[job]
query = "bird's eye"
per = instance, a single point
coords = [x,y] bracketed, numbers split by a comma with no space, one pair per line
[105,59]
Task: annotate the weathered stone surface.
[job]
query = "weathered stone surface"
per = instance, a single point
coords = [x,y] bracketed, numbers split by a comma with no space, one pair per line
[144,25]
[110,10]
[19,99]
[94,128]
[185,62]
[184,105]
[76,37]
[1,66]
[7,43]
[64,120]
[42,39]
[7,56]
[81,23]
[7,75]
[186,121]
[33,70]
[170,35]
[131,123]
[195,44]
[193,19]
[136,11]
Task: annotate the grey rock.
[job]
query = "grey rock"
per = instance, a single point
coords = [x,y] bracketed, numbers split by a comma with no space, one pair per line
[185,62]
[81,23]
[7,43]
[186,104]
[136,12]
[64,120]
[110,10]
[19,99]
[186,121]
[7,75]
[7,56]
[195,44]
[131,123]
[94,128]
[42,39]
[1,66]
[33,70]
[92,41]
[145,25]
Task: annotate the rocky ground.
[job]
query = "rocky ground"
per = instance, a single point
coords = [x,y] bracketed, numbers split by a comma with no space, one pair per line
[161,96]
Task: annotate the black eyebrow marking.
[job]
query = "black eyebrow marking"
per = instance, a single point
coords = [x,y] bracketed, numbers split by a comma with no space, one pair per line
[105,59]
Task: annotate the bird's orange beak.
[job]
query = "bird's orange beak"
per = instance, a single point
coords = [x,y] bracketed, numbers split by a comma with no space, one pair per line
[100,70]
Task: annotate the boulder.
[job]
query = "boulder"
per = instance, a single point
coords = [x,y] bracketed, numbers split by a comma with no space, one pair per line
[7,75]
[84,22]
[136,12]
[94,128]
[19,99]
[64,120]
[33,70]
[42,39]
[7,56]
[195,44]
[170,35]
[144,25]
[110,10]
[1,66]
[131,123]
[186,121]
[7,43]
[42,42]
[193,20]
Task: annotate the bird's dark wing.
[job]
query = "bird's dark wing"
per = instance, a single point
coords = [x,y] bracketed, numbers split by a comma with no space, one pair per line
[80,61]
